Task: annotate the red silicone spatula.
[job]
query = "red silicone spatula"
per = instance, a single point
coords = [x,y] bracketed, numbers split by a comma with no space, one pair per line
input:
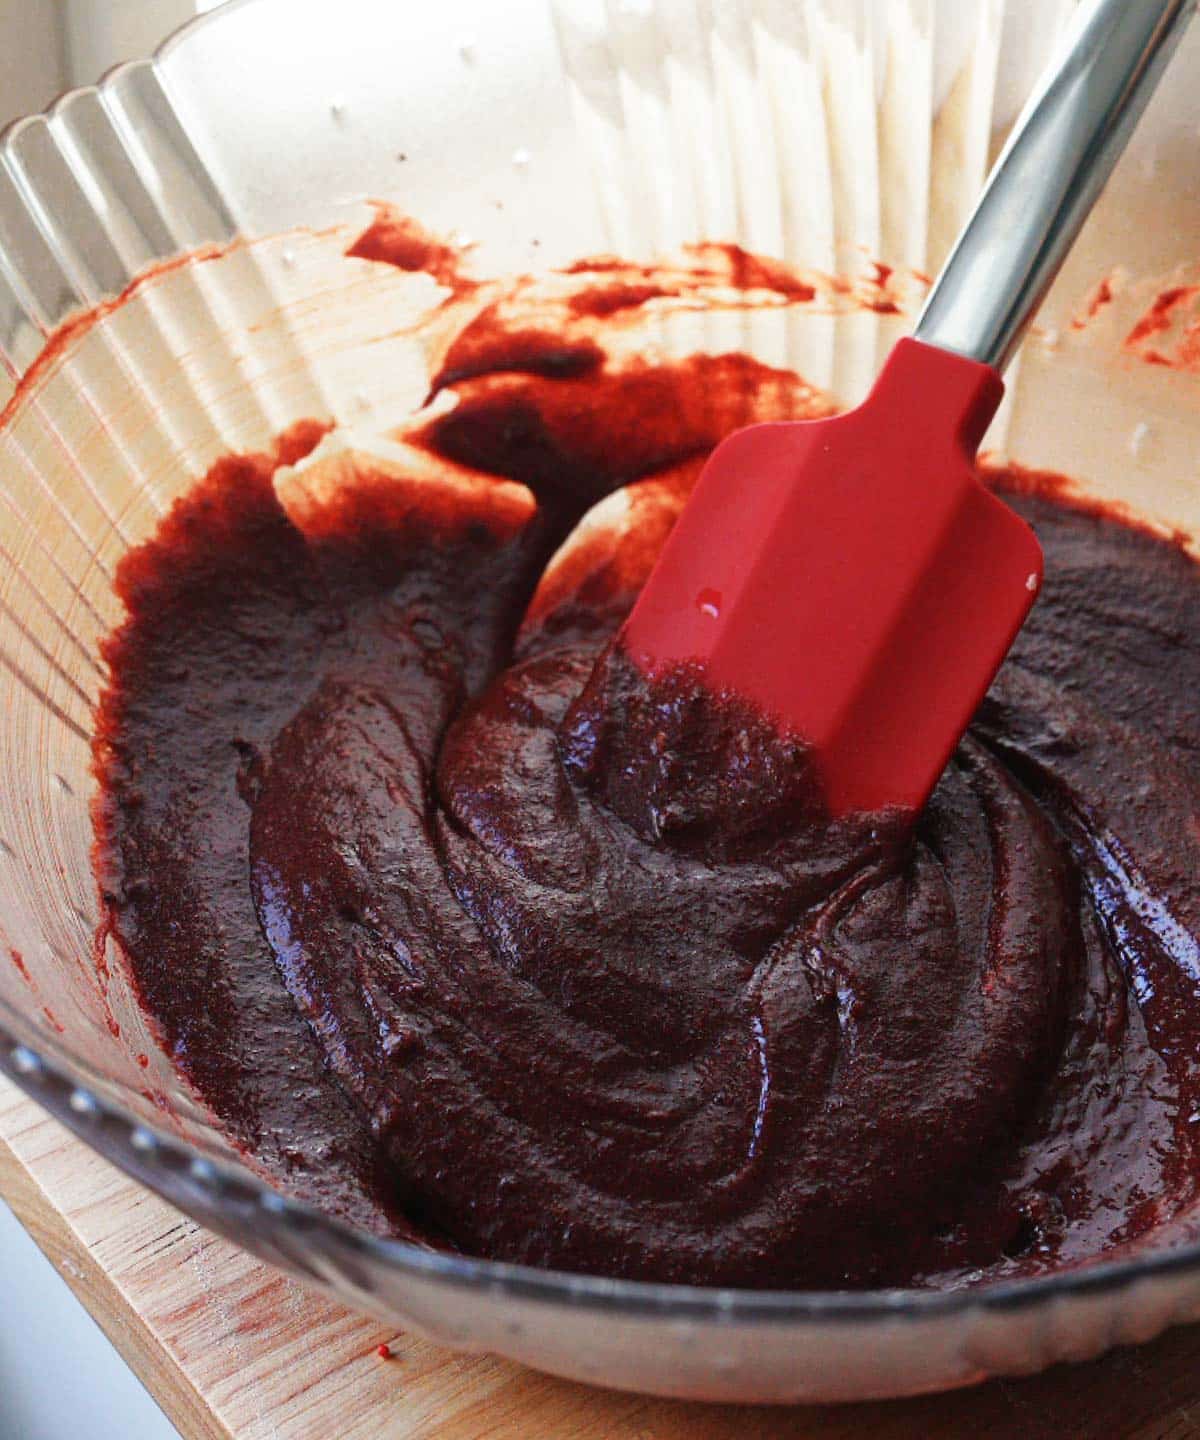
[852,576]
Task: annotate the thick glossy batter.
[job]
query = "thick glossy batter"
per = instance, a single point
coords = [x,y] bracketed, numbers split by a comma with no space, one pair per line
[462,937]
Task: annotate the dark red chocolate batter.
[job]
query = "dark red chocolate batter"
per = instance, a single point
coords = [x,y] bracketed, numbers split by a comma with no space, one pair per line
[457,937]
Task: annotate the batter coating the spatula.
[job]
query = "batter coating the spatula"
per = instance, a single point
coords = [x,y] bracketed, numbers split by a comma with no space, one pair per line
[461,937]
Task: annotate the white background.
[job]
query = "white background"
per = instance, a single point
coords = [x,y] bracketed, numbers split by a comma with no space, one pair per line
[59,1376]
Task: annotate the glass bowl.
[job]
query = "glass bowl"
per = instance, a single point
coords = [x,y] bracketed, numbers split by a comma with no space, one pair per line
[830,133]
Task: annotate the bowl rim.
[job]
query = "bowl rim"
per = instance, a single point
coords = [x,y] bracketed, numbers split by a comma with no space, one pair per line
[63,1084]
[58,1083]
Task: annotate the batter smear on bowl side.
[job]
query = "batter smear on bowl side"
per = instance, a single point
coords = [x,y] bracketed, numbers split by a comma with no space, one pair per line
[461,936]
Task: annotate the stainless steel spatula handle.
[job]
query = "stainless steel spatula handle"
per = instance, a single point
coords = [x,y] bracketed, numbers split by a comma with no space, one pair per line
[1061,151]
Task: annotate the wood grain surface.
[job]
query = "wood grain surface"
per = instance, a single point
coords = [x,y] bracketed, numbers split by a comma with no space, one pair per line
[230,1348]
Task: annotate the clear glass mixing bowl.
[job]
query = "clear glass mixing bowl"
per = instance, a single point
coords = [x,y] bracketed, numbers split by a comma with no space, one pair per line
[828,132]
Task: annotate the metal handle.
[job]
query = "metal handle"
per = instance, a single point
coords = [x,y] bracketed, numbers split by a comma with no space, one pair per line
[1061,151]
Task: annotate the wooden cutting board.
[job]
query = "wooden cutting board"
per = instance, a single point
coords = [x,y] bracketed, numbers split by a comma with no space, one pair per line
[231,1348]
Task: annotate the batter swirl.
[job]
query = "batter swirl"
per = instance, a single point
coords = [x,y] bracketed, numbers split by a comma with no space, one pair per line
[462,936]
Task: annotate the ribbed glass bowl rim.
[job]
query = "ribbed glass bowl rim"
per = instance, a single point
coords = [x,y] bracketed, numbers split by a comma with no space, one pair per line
[60,1083]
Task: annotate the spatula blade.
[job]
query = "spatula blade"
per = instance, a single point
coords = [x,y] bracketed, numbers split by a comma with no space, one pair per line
[853,578]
